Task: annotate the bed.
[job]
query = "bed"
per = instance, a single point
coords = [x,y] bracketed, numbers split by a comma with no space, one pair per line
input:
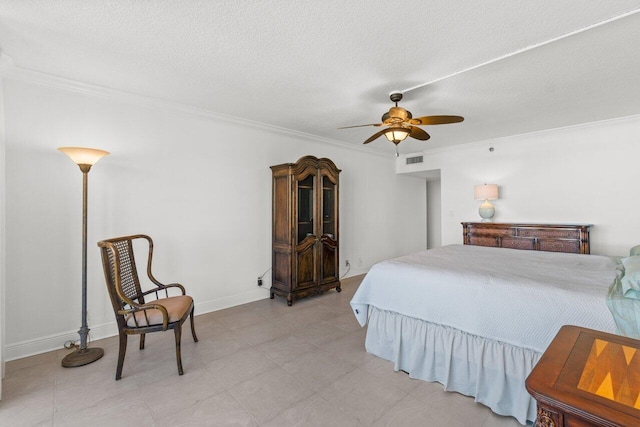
[477,319]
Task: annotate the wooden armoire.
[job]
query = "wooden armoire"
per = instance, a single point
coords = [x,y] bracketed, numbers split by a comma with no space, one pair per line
[305,230]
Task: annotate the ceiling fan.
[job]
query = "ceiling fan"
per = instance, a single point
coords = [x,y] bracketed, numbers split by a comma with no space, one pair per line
[400,123]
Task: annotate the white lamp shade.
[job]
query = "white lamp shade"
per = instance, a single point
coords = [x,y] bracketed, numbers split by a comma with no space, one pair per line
[397,134]
[485,192]
[84,156]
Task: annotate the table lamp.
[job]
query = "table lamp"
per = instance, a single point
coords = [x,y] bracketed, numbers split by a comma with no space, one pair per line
[486,192]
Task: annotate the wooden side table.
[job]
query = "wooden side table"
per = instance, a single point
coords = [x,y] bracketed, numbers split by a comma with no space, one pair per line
[587,378]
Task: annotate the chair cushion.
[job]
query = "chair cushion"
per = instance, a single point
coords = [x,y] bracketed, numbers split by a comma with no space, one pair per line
[176,308]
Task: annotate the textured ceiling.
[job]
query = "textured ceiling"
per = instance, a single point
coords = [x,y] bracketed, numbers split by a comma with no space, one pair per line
[508,67]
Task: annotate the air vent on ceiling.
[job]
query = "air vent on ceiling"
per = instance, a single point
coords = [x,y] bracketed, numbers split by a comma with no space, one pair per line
[416,159]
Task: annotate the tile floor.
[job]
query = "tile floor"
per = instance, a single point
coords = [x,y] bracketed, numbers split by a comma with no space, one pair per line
[259,364]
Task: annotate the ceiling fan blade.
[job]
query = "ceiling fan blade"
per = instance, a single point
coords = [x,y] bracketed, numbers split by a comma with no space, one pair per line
[436,120]
[418,133]
[360,126]
[375,135]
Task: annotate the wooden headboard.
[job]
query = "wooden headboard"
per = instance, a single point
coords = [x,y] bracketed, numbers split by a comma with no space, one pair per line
[571,238]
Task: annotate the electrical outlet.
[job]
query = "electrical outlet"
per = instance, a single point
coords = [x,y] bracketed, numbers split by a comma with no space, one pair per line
[259,281]
[346,263]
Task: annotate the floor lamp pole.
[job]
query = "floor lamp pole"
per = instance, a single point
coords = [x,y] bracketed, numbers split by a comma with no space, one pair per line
[83,355]
[84,329]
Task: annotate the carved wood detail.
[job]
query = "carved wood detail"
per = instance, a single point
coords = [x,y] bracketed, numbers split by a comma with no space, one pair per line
[570,238]
[546,418]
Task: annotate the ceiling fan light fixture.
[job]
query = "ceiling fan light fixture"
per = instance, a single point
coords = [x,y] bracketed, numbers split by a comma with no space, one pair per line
[397,134]
[399,124]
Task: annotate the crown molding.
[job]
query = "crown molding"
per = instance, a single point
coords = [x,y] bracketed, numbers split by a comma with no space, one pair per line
[9,70]
[487,142]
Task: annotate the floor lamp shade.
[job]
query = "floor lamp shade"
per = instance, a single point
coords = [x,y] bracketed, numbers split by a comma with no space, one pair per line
[84,158]
[486,192]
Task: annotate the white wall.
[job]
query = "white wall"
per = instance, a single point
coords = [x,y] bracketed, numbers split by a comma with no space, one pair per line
[2,241]
[434,214]
[199,185]
[582,174]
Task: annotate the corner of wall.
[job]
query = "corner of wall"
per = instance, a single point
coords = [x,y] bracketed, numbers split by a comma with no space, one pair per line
[2,230]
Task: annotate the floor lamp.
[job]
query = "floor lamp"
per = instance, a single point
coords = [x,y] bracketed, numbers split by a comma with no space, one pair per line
[85,158]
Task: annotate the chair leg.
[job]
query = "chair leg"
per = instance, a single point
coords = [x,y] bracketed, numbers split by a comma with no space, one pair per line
[141,341]
[193,329]
[178,332]
[121,352]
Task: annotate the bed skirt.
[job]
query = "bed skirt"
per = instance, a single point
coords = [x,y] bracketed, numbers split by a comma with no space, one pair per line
[490,371]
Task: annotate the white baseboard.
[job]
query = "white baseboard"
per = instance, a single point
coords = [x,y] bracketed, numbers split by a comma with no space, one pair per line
[106,330]
[56,341]
[231,301]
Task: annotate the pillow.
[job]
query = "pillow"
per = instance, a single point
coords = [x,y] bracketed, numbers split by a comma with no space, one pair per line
[634,251]
[631,278]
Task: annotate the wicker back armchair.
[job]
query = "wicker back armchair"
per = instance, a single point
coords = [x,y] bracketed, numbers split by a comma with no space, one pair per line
[138,311]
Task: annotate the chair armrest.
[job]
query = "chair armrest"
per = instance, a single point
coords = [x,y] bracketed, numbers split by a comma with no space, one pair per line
[164,288]
[136,308]
[175,285]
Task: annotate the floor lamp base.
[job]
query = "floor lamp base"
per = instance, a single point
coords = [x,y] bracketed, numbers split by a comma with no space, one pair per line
[82,357]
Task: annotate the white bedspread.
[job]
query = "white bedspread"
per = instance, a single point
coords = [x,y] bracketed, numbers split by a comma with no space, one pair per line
[513,296]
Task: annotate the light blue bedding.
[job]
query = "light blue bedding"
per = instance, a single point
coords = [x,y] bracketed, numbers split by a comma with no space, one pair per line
[487,291]
[623,298]
[477,319]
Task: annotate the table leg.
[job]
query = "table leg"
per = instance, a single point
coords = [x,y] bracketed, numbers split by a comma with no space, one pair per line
[547,418]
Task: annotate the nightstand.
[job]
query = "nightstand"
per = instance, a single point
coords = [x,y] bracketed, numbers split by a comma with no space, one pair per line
[587,378]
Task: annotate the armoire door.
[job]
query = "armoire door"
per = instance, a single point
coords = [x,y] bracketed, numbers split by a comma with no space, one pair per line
[306,250]
[328,209]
